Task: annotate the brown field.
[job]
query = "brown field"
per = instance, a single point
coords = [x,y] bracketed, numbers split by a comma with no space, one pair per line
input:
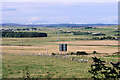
[104,42]
[73,46]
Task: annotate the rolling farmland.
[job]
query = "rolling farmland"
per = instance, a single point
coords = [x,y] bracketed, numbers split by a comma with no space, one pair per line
[25,51]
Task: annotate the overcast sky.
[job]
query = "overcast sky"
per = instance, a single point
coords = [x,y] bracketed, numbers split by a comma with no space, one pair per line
[60,12]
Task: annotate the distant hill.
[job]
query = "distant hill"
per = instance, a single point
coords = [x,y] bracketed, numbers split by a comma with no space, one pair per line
[10,24]
[55,25]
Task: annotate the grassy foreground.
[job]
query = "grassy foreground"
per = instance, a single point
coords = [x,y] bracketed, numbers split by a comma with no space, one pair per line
[13,66]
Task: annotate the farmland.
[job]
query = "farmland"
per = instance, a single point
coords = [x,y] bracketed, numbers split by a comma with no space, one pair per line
[50,43]
[21,52]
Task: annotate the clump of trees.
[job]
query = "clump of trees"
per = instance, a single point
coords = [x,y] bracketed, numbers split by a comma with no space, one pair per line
[117,34]
[23,34]
[72,53]
[81,33]
[79,53]
[94,52]
[104,38]
[100,70]
[53,54]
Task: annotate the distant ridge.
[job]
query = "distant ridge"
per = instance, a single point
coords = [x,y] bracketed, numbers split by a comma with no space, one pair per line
[10,24]
[54,25]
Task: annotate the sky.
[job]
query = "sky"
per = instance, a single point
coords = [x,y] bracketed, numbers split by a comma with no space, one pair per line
[60,1]
[60,12]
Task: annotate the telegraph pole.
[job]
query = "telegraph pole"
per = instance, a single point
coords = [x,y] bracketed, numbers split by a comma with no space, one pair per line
[58,36]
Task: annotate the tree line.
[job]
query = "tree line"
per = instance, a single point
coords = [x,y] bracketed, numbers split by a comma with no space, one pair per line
[22,34]
[81,33]
[105,38]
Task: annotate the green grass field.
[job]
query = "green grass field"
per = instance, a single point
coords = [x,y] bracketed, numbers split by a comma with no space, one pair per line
[13,66]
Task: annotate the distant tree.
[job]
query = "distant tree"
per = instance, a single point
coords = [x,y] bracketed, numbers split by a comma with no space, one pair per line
[53,54]
[94,52]
[72,53]
[9,34]
[81,53]
[95,38]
